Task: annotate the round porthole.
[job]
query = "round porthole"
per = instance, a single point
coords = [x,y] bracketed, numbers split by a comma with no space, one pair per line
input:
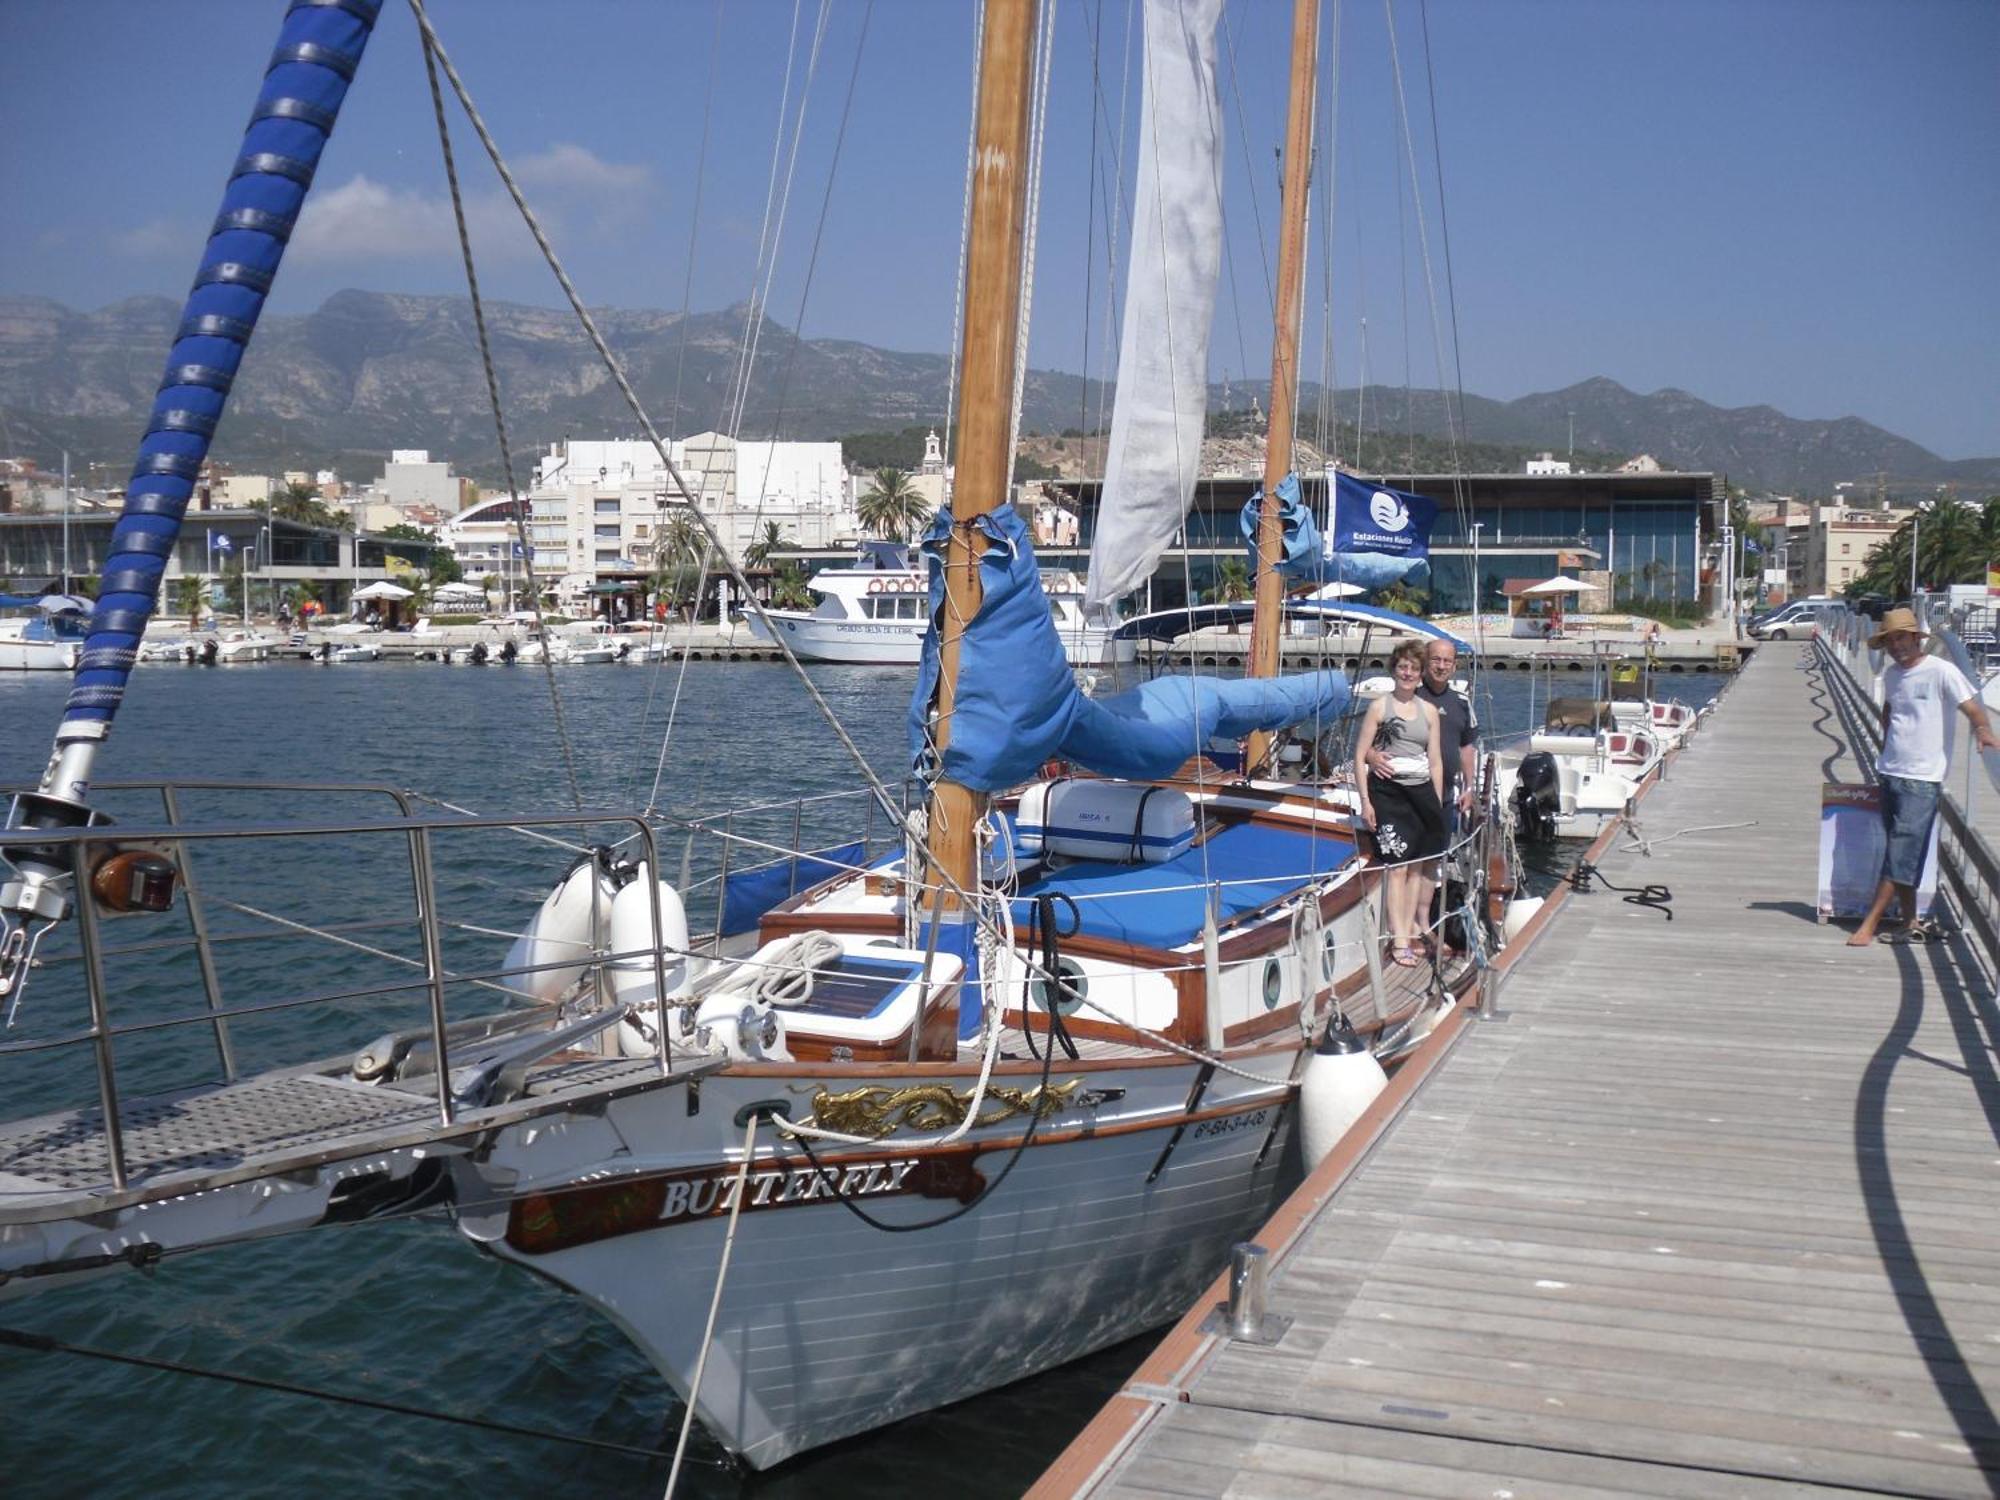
[1274,983]
[1074,983]
[1329,957]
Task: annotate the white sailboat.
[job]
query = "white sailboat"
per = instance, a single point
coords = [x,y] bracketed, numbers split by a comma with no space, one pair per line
[901,1122]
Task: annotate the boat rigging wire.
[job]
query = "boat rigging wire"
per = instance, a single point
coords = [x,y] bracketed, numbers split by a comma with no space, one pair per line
[715,1301]
[428,41]
[784,384]
[41,1343]
[631,397]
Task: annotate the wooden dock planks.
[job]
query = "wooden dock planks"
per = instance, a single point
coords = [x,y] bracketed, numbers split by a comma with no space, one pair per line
[1713,1210]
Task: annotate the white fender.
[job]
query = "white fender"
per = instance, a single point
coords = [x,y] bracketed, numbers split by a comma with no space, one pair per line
[561,930]
[1341,1080]
[632,933]
[1519,913]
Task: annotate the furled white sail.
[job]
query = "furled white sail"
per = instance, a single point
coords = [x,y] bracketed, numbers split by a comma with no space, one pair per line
[1156,423]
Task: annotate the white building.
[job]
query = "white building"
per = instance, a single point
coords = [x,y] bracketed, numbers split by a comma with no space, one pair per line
[1548,463]
[241,491]
[482,539]
[605,507]
[411,481]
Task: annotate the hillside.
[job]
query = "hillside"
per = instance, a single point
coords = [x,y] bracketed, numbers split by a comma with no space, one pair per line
[368,371]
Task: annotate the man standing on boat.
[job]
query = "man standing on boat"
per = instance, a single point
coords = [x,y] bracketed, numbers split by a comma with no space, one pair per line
[1918,693]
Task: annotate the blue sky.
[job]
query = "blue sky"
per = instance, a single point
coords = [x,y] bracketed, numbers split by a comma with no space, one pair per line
[1785,201]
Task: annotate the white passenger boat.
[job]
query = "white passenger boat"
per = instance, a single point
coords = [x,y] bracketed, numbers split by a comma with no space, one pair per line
[357,651]
[870,613]
[834,1134]
[874,613]
[46,635]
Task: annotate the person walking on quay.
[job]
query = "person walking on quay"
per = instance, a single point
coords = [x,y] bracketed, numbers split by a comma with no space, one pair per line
[1402,802]
[1918,693]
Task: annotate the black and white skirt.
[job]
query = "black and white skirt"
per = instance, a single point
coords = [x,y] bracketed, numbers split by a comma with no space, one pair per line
[1409,822]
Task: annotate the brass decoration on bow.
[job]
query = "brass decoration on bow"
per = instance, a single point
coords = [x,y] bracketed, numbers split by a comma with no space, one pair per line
[876,1112]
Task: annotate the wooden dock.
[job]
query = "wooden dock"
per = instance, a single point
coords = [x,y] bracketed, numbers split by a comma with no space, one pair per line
[1711,1207]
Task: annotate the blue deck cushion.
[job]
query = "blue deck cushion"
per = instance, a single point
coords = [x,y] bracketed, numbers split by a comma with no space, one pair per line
[1161,906]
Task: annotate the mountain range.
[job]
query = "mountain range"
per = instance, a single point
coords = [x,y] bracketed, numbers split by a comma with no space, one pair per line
[371,371]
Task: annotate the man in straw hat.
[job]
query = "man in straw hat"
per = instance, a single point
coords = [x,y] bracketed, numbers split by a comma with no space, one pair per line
[1918,693]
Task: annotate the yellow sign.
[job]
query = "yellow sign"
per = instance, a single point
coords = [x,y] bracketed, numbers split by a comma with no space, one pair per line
[1993,580]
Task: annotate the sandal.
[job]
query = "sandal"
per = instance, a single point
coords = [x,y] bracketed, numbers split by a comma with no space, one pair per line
[1403,957]
[1421,947]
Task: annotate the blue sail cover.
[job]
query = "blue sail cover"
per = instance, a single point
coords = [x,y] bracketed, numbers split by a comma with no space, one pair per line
[1015,694]
[1300,552]
[1153,730]
[1018,703]
[319,48]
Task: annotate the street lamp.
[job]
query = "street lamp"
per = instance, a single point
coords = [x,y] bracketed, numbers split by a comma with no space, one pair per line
[1478,602]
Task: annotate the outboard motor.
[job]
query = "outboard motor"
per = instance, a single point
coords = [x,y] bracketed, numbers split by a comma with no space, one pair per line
[509,653]
[209,651]
[1538,797]
[478,654]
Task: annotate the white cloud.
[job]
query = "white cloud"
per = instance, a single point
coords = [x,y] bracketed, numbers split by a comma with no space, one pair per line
[571,168]
[572,191]
[158,237]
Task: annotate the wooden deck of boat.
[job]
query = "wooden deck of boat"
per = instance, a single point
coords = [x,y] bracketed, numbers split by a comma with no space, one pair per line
[1710,1209]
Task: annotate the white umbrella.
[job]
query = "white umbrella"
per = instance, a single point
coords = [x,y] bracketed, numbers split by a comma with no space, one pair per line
[384,590]
[1560,584]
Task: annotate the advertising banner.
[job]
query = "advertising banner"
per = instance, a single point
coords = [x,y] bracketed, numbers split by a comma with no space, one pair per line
[1851,846]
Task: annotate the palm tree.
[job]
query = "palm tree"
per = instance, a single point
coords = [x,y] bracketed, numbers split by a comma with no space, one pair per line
[682,540]
[893,508]
[189,591]
[758,553]
[1232,582]
[788,588]
[1405,600]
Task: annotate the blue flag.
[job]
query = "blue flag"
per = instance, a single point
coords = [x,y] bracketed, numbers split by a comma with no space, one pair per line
[1370,518]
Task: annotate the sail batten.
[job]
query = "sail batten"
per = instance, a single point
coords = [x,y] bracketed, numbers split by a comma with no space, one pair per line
[1176,256]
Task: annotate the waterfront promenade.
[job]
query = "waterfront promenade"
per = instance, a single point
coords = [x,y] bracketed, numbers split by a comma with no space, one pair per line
[1709,1208]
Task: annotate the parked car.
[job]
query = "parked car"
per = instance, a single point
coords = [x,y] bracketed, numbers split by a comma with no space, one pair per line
[1796,621]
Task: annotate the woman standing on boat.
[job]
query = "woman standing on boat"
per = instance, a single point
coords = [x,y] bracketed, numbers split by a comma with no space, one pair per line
[1406,806]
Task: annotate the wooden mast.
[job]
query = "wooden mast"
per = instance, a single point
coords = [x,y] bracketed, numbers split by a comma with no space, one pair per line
[1284,352]
[986,393]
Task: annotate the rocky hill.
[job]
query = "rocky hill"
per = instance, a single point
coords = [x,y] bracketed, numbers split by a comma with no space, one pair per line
[370,371]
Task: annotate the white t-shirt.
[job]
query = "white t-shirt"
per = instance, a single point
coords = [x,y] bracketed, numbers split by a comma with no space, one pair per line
[1923,700]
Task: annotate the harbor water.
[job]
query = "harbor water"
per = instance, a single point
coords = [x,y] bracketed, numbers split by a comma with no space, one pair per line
[405,1312]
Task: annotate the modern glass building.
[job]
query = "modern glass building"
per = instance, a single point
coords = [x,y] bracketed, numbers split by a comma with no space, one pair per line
[1642,536]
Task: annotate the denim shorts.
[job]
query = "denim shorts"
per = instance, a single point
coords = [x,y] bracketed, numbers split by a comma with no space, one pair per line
[1909,807]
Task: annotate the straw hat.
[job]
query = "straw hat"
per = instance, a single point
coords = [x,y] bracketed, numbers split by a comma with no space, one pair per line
[1893,621]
